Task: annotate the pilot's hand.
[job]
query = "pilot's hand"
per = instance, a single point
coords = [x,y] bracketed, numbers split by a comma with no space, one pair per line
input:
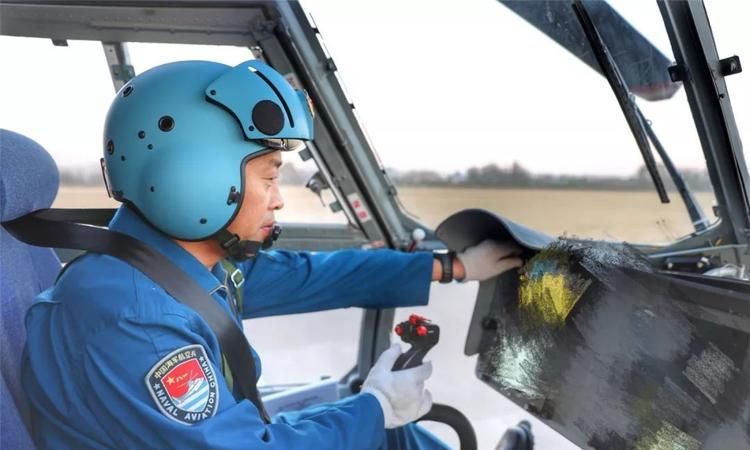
[401,393]
[488,259]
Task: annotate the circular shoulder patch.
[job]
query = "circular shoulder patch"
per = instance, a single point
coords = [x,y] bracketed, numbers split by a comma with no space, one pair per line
[183,385]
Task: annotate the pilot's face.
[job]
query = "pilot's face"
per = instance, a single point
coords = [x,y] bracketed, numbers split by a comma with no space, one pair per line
[261,198]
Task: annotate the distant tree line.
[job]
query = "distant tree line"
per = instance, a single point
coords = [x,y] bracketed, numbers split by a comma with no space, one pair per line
[516,176]
[88,176]
[488,176]
[80,176]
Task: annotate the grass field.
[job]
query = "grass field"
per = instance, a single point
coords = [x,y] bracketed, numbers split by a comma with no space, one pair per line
[304,347]
[615,215]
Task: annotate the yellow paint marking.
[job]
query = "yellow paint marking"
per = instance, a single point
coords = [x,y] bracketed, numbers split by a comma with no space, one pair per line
[549,298]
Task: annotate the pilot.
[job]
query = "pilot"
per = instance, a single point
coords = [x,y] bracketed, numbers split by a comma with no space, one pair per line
[192,149]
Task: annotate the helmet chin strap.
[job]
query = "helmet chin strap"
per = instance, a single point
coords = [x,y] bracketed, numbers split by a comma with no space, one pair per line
[275,233]
[241,250]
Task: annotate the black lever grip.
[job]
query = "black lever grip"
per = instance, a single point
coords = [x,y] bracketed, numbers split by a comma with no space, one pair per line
[422,335]
[517,438]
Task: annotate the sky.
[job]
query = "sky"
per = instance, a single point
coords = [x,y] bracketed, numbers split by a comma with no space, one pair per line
[440,85]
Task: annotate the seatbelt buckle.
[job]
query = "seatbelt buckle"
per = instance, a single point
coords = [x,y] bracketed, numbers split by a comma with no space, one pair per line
[237,278]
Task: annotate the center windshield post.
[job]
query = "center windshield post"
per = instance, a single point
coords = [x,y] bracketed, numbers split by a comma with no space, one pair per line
[623,95]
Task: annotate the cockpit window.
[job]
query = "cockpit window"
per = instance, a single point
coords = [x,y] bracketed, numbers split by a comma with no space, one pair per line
[497,115]
[145,55]
[59,95]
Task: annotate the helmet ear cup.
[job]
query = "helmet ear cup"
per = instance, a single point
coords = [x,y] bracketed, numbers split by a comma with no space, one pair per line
[268,117]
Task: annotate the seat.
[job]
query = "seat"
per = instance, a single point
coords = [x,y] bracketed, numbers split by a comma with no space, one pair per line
[29,180]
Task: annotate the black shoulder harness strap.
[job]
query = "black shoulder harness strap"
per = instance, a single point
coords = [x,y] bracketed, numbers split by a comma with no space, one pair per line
[68,228]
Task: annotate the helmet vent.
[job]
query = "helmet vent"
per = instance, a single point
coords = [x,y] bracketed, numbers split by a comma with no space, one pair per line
[166,123]
[128,90]
[110,147]
[203,220]
[141,134]
[150,146]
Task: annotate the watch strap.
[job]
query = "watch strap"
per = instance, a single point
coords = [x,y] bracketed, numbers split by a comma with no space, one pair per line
[446,262]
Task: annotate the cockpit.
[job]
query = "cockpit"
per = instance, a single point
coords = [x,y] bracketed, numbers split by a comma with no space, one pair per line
[597,136]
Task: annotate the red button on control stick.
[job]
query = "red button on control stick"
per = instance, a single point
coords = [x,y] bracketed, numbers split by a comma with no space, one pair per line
[415,319]
[421,330]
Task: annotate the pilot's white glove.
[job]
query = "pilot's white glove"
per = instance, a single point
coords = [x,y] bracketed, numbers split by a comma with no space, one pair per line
[401,394]
[488,259]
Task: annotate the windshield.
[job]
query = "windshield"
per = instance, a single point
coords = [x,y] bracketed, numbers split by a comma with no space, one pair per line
[481,109]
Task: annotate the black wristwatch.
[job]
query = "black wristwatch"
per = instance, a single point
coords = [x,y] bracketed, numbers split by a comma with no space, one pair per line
[446,261]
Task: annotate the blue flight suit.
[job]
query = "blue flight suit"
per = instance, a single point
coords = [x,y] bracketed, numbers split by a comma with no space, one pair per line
[106,347]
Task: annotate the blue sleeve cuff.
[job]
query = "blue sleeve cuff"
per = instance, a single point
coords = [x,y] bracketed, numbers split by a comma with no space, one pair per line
[373,404]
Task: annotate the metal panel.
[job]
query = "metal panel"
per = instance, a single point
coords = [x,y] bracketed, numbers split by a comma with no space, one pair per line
[635,359]
[194,23]
[118,59]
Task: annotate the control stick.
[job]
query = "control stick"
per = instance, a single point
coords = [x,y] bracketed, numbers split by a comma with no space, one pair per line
[421,334]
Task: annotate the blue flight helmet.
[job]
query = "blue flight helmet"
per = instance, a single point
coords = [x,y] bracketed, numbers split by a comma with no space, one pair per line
[176,139]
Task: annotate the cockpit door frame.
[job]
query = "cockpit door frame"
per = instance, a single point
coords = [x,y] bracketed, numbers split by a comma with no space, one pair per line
[699,68]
